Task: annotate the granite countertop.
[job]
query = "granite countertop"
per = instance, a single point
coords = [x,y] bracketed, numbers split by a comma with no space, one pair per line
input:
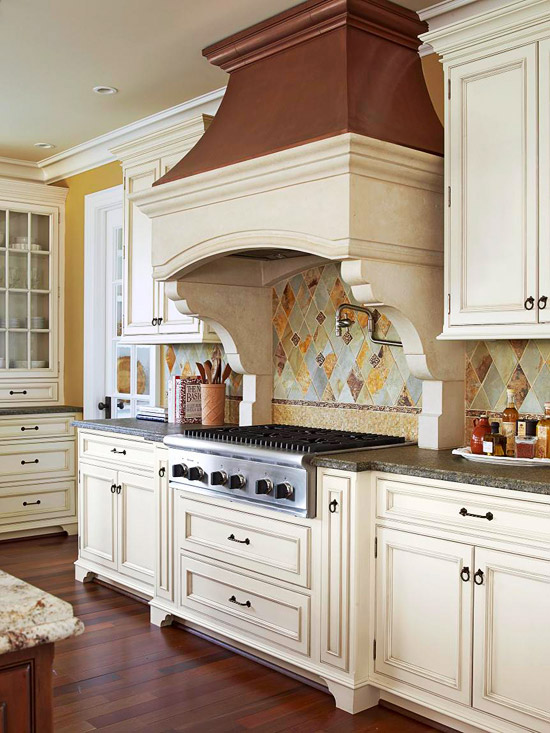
[30,616]
[148,429]
[439,465]
[42,410]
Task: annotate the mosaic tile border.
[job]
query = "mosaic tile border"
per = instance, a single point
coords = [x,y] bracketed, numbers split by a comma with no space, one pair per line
[349,406]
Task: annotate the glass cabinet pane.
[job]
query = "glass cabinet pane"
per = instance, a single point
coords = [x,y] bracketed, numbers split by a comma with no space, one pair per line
[40,311]
[2,269]
[40,351]
[18,226]
[17,311]
[18,270]
[124,369]
[40,271]
[3,349]
[18,350]
[2,228]
[143,370]
[40,233]
[2,312]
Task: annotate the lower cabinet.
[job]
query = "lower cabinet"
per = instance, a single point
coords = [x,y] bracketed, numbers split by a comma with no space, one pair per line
[117,527]
[444,608]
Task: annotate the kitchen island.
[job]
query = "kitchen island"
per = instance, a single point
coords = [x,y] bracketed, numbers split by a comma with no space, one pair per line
[31,621]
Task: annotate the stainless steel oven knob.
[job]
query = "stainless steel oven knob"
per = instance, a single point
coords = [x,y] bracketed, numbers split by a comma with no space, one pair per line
[195,473]
[264,486]
[179,470]
[218,478]
[284,491]
[237,481]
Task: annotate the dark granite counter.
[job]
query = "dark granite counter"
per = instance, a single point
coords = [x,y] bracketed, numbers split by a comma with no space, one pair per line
[439,465]
[43,410]
[148,429]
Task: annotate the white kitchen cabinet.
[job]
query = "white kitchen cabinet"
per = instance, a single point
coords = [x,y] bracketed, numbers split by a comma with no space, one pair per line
[512,638]
[423,612]
[149,315]
[492,239]
[98,515]
[164,524]
[136,538]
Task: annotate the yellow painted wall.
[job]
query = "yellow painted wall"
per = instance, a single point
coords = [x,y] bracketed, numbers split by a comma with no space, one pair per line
[79,185]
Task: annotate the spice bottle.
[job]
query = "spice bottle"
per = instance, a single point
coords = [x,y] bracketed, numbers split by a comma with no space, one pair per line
[543,434]
[495,443]
[509,423]
[481,429]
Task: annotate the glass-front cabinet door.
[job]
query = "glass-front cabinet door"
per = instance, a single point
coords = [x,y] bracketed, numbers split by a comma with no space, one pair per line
[27,291]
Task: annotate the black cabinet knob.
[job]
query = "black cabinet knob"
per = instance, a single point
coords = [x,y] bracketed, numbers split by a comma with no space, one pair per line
[264,486]
[237,481]
[284,491]
[179,470]
[529,303]
[218,478]
[195,473]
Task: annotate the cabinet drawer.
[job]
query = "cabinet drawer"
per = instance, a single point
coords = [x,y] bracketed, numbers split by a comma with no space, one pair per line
[17,392]
[270,547]
[37,501]
[432,505]
[37,460]
[119,451]
[249,608]
[30,427]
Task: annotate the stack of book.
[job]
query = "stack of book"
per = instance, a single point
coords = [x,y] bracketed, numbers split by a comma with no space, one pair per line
[150,412]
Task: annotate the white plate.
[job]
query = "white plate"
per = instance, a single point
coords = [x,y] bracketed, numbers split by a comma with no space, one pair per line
[19,364]
[39,364]
[501,460]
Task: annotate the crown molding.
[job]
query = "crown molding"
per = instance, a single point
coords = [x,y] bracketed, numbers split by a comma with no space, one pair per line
[26,191]
[99,150]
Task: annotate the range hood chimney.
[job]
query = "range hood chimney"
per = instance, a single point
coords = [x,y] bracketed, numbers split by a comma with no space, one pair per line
[322,68]
[326,147]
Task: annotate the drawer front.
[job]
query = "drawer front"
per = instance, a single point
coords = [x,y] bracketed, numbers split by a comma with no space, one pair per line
[411,502]
[122,453]
[37,501]
[248,608]
[270,547]
[31,427]
[37,460]
[17,392]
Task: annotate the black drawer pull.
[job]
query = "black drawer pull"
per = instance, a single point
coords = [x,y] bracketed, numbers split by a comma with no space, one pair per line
[465,574]
[465,513]
[162,471]
[35,428]
[113,488]
[333,506]
[543,300]
[529,303]
[241,542]
[24,463]
[31,503]
[478,577]
[22,391]
[154,322]
[234,600]
[118,489]
[122,452]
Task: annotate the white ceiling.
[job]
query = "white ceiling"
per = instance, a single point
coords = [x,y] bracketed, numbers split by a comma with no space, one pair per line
[52,52]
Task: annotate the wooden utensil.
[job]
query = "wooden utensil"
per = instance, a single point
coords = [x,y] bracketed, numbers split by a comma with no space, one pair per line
[226,372]
[208,369]
[217,371]
[200,367]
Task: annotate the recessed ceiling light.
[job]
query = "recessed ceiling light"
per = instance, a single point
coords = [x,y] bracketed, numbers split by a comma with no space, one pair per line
[105,90]
[46,146]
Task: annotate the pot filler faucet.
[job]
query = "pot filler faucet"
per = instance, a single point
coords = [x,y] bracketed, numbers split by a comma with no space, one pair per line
[343,322]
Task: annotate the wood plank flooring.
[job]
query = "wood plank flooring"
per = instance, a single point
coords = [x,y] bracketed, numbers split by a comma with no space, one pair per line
[124,675]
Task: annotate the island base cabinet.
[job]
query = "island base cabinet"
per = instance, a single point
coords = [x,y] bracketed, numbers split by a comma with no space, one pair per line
[512,638]
[26,690]
[424,624]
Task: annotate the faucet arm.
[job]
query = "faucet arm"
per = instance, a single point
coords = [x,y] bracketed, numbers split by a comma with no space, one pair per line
[342,322]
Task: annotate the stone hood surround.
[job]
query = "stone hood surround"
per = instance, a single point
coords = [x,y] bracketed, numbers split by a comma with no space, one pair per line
[373,204]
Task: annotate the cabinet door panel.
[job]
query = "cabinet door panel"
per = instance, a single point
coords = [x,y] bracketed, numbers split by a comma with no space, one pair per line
[493,175]
[544,179]
[136,527]
[98,510]
[512,639]
[140,293]
[164,527]
[424,613]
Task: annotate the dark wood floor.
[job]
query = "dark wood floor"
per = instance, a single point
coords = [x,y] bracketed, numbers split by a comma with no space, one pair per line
[125,675]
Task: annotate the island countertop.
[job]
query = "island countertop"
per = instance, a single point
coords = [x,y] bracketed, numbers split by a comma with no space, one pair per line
[30,616]
[439,465]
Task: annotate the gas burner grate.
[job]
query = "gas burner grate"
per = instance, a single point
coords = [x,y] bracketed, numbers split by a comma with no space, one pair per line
[293,438]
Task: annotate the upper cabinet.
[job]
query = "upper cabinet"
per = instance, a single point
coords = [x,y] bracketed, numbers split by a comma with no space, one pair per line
[149,315]
[31,278]
[497,163]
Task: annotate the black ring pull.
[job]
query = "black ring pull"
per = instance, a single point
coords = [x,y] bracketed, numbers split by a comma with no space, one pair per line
[24,463]
[31,503]
[234,600]
[118,489]
[159,321]
[113,488]
[543,300]
[154,322]
[529,303]
[332,506]
[465,513]
[22,391]
[478,577]
[162,471]
[232,538]
[121,452]
[24,428]
[465,574]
